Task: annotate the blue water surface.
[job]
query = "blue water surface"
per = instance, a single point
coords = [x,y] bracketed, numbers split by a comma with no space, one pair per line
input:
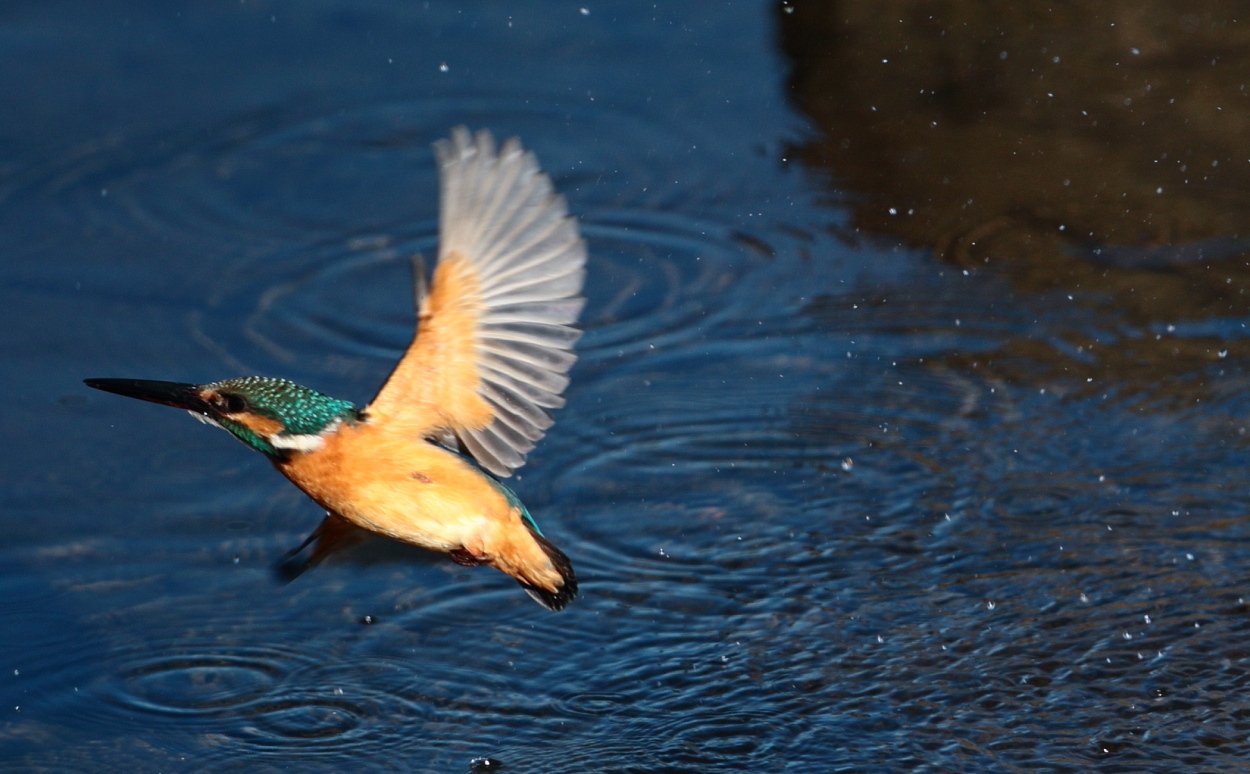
[813,533]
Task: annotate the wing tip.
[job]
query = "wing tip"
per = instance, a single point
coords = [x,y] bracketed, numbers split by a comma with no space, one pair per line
[500,210]
[463,143]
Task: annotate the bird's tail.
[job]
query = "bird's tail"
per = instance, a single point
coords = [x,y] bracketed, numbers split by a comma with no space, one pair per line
[558,598]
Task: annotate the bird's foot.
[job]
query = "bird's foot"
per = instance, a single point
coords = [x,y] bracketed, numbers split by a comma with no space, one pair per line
[334,533]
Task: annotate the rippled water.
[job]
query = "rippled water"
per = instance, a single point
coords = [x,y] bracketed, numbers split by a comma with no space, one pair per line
[830,508]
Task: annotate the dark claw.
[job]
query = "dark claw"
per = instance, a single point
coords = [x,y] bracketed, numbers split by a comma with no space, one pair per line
[463,557]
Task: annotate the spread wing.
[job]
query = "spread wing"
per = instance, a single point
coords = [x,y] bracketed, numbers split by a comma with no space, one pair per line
[494,335]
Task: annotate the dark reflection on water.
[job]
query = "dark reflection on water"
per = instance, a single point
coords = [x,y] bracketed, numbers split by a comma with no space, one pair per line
[1095,152]
[948,489]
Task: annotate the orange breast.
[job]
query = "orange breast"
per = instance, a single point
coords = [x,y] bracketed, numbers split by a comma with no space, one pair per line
[409,490]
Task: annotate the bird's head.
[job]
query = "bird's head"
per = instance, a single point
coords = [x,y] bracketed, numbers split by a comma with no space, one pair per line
[273,416]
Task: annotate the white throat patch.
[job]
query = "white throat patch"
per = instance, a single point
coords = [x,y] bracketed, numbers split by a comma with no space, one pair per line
[305,442]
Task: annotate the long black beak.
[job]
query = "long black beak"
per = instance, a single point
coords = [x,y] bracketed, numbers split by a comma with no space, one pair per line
[176,394]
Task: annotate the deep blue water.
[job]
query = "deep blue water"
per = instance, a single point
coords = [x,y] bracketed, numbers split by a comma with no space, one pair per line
[814,531]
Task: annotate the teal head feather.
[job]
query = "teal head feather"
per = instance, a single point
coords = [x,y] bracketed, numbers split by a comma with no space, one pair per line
[302,412]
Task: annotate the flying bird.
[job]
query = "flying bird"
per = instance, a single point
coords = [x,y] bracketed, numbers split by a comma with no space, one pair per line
[468,400]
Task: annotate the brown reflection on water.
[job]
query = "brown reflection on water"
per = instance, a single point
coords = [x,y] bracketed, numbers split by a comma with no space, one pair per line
[1102,148]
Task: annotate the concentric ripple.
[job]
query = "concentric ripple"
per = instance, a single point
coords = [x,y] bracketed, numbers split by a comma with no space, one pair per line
[268,699]
[274,175]
[199,684]
[346,306]
[202,682]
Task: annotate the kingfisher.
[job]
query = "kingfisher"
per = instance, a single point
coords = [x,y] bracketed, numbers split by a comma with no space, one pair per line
[466,402]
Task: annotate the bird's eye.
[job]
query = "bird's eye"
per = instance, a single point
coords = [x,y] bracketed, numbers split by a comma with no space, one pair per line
[228,403]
